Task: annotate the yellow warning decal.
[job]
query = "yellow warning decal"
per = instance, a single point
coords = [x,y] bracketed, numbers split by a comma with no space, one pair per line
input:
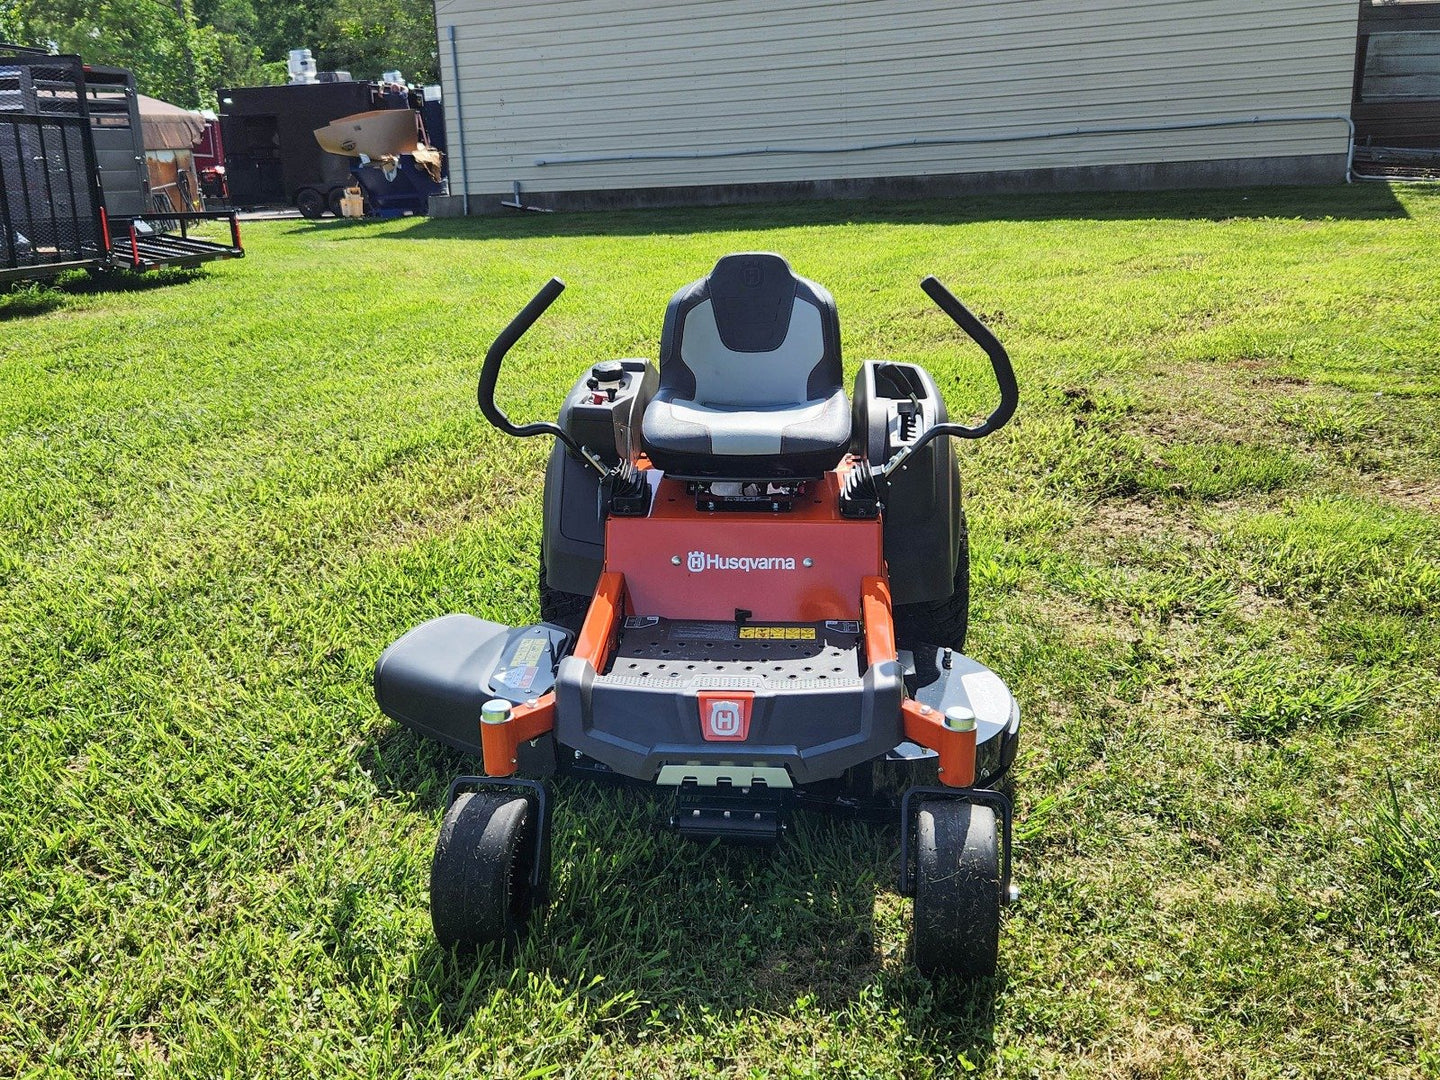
[529,652]
[778,633]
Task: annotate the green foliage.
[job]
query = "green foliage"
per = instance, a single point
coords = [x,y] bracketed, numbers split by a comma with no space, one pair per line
[225,491]
[1340,549]
[183,50]
[159,41]
[1405,844]
[12,29]
[1270,696]
[369,37]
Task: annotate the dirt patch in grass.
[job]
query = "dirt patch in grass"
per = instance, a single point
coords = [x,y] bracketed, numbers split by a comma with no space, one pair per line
[1148,1051]
[1413,492]
[1143,521]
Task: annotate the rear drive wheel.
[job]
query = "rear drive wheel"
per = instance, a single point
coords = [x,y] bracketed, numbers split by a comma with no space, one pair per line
[957,889]
[939,622]
[480,877]
[310,203]
[565,609]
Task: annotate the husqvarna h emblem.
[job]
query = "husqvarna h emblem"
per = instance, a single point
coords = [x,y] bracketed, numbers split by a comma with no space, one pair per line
[725,716]
[724,719]
[751,274]
[695,562]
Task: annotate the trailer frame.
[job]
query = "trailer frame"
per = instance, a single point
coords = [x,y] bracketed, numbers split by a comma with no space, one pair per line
[54,215]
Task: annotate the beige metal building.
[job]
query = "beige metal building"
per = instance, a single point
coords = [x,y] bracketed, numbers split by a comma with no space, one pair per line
[645,102]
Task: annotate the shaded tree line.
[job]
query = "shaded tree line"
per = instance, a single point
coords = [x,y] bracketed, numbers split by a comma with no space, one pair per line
[183,50]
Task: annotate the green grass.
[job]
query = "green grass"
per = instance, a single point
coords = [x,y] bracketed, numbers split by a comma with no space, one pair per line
[1206,557]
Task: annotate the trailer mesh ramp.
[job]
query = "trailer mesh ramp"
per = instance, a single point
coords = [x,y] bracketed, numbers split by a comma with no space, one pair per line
[147,251]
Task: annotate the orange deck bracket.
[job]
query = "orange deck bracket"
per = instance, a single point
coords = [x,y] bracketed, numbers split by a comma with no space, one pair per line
[597,634]
[879,623]
[926,726]
[923,725]
[500,738]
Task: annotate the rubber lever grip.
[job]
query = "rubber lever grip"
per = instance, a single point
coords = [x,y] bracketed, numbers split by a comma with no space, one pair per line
[999,358]
[490,370]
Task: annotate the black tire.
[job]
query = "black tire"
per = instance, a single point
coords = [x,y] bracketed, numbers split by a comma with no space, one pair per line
[480,876]
[565,609]
[337,196]
[939,622]
[310,203]
[957,889]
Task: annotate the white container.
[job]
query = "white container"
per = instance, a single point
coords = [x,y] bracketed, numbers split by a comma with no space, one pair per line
[301,66]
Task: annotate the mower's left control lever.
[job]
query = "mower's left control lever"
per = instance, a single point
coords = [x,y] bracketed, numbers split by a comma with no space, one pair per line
[999,362]
[490,374]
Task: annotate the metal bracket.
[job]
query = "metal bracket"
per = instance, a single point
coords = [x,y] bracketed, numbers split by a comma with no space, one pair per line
[535,793]
[996,800]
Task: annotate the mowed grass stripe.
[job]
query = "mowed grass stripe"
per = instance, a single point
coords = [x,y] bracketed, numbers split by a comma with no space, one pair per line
[1205,557]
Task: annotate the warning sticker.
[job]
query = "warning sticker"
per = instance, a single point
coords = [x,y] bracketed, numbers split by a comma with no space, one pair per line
[529,651]
[777,633]
[704,631]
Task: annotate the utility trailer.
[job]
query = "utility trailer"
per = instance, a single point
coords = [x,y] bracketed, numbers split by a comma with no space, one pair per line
[271,156]
[74,193]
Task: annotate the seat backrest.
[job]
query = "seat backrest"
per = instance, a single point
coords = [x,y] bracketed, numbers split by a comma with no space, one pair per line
[751,334]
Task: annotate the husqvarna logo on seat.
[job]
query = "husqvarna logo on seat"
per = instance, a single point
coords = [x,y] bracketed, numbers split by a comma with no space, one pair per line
[698,561]
[725,717]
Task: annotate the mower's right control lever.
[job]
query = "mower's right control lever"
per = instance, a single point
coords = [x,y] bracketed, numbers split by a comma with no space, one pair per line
[999,361]
[490,374]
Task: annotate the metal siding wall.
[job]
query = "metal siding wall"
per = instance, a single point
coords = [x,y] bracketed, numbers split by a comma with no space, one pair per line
[578,77]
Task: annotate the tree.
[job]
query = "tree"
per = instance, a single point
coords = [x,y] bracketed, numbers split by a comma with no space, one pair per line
[156,39]
[229,30]
[183,50]
[370,37]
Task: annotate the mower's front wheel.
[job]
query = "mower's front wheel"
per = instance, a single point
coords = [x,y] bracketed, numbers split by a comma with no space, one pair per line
[480,877]
[957,889]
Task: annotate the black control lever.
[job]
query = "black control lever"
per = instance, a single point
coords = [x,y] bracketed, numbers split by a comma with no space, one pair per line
[490,374]
[999,361]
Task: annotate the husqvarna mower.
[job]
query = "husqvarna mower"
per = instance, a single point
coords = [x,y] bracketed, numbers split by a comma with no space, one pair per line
[754,593]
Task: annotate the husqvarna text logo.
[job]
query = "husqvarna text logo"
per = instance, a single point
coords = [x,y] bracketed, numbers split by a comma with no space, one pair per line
[697,561]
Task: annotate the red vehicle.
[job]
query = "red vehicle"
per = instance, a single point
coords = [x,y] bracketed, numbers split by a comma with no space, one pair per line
[209,156]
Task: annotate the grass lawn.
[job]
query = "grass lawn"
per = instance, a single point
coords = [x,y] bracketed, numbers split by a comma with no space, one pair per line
[1206,556]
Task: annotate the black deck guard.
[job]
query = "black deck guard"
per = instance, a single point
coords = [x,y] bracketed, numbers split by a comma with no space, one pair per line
[815,711]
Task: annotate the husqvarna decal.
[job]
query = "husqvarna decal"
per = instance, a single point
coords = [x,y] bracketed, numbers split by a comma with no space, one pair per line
[725,717]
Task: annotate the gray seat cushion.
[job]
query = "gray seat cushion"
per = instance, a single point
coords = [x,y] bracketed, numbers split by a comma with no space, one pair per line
[753,431]
[750,376]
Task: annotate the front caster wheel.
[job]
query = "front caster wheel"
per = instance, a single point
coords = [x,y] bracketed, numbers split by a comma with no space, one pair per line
[957,889]
[480,877]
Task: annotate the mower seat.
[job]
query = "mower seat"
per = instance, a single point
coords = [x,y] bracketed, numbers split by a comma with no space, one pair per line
[750,377]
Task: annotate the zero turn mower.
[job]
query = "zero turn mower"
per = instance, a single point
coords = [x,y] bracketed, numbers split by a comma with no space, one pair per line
[756,606]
